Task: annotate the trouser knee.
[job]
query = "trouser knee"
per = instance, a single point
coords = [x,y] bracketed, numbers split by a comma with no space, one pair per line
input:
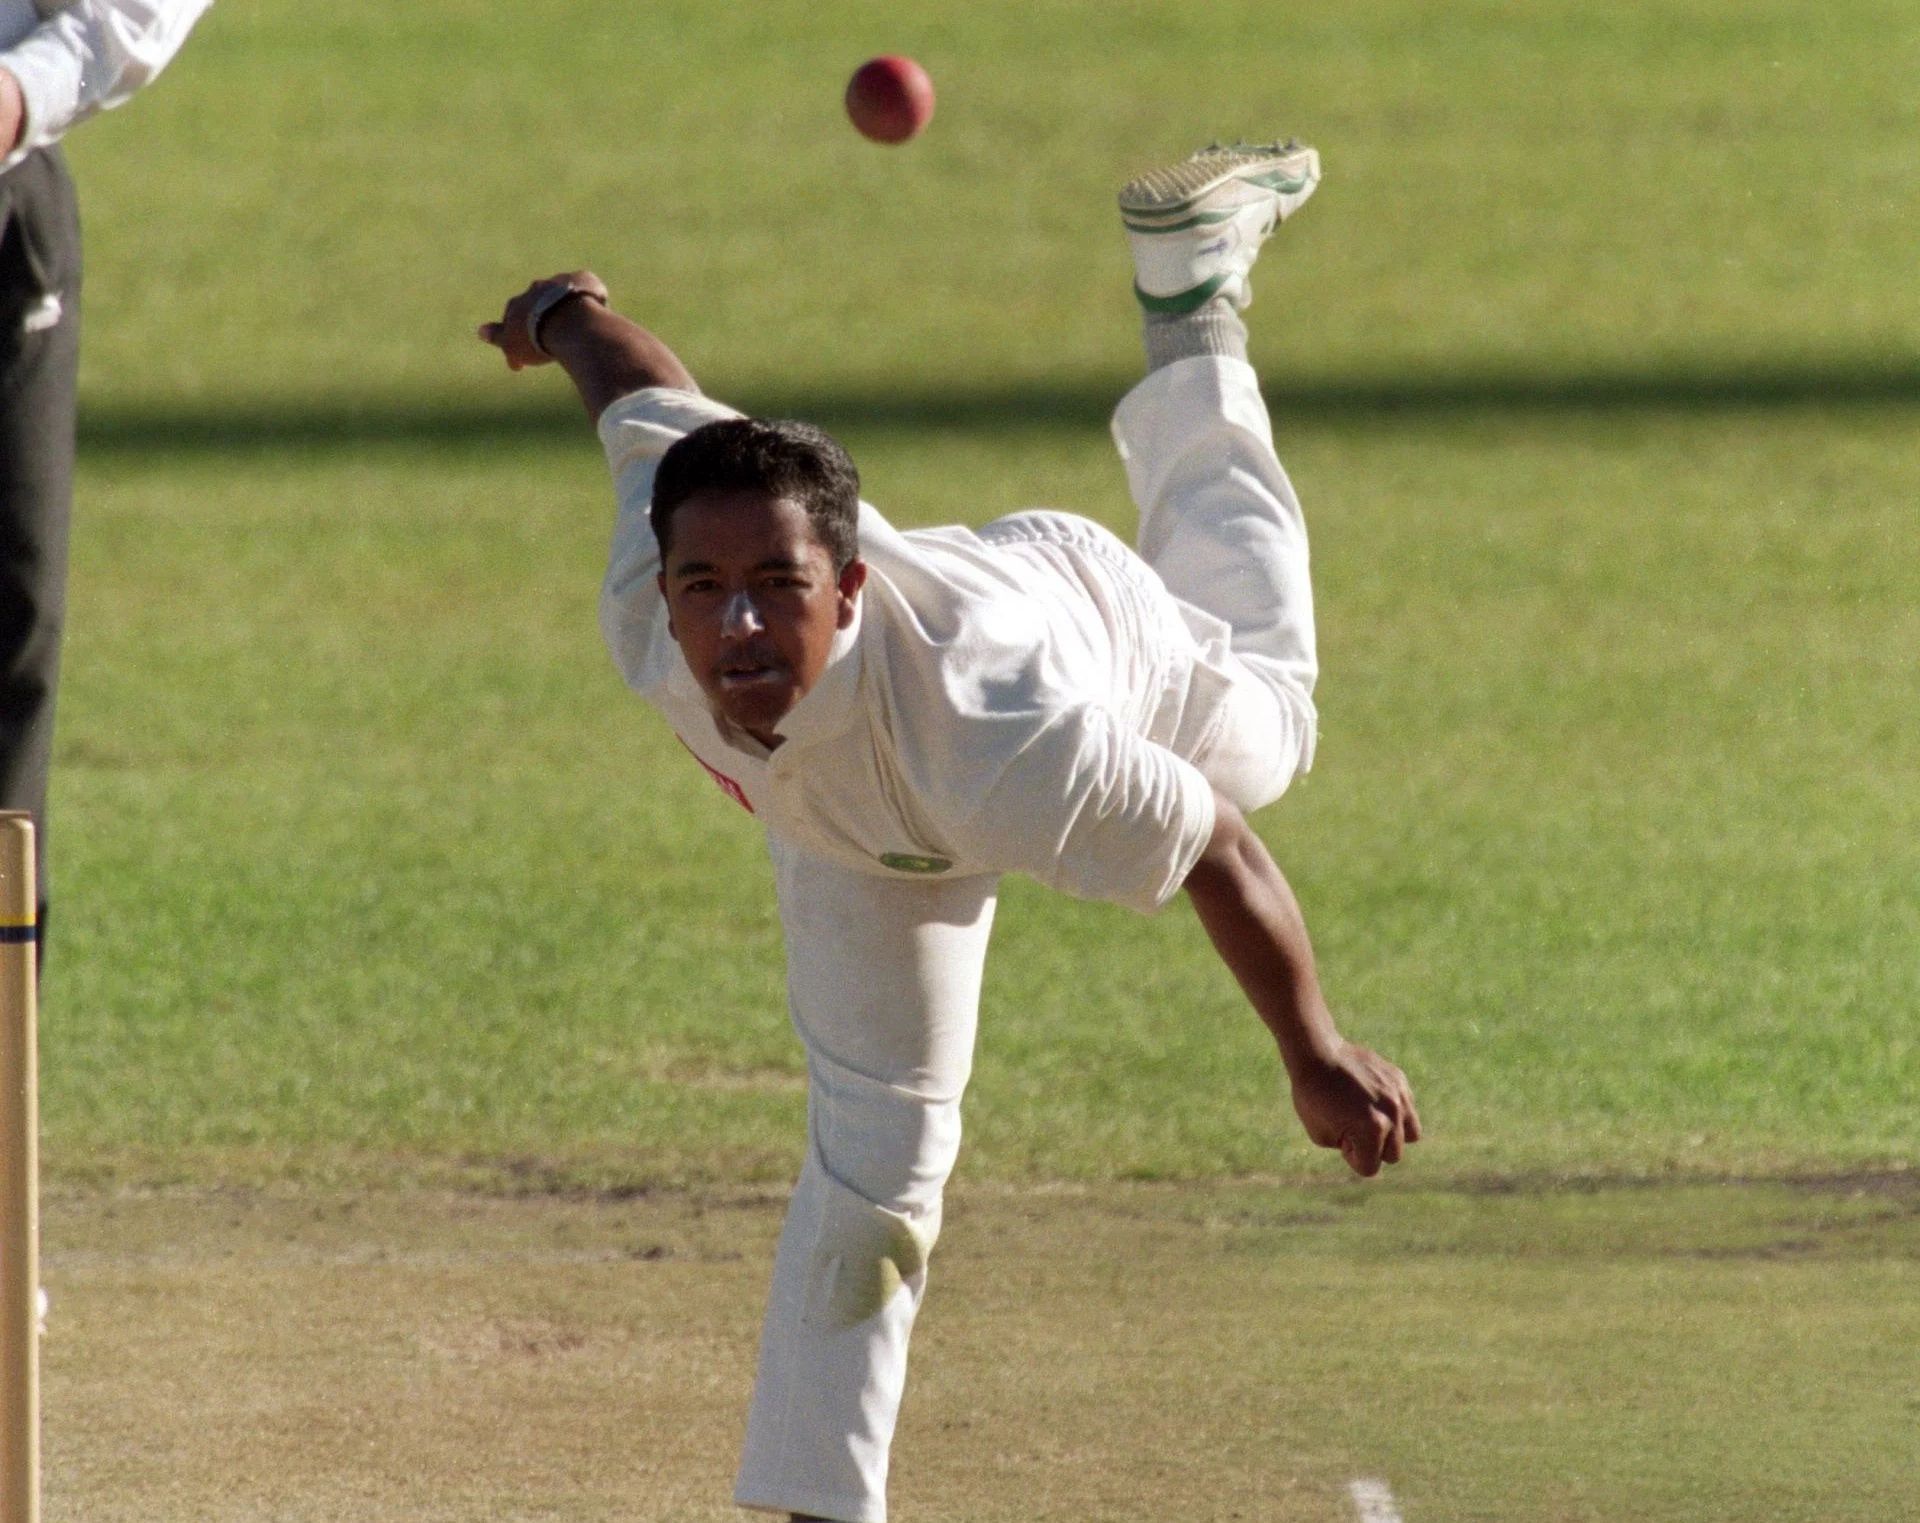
[880,1162]
[864,1256]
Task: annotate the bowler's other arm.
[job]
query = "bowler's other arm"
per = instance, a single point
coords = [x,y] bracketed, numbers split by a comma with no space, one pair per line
[1347,1097]
[605,355]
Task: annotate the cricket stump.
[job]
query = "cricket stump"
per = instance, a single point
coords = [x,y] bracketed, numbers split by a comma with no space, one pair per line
[19,1178]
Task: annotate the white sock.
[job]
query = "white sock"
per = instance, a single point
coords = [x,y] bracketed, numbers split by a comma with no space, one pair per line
[1213,329]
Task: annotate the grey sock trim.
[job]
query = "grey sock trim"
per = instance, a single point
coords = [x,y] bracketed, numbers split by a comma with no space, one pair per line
[1215,329]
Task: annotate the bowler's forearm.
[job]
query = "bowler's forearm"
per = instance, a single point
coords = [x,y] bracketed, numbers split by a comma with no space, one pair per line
[1346,1096]
[1255,924]
[608,356]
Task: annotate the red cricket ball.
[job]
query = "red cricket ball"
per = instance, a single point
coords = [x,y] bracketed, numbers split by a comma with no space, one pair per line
[890,98]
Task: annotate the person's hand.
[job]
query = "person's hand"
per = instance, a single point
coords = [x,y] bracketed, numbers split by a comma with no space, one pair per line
[13,112]
[1358,1102]
[512,336]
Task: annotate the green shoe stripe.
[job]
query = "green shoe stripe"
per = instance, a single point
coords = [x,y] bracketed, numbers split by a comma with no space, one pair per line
[1278,180]
[1183,302]
[1137,217]
[1199,219]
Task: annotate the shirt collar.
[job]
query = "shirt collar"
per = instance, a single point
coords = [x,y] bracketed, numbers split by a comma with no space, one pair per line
[830,703]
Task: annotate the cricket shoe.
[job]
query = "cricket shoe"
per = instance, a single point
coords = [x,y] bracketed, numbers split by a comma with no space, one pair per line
[1196,227]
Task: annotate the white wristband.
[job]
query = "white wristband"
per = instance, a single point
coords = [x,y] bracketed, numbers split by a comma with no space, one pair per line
[545,302]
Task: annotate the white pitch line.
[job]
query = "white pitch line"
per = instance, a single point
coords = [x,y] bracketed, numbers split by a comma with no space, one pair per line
[1373,1500]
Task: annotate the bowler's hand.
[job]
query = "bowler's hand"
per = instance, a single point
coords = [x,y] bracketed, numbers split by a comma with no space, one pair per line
[1358,1102]
[510,335]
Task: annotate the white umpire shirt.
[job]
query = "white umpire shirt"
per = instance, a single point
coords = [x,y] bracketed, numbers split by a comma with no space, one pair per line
[1021,699]
[76,58]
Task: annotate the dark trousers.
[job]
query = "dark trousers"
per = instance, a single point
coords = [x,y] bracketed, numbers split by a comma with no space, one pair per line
[39,371]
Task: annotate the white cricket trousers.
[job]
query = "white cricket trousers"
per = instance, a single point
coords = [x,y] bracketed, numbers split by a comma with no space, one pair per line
[883,975]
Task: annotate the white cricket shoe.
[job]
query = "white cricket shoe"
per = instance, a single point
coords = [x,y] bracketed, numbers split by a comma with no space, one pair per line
[1196,227]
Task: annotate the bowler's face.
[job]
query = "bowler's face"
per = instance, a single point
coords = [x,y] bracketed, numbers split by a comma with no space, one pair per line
[754,603]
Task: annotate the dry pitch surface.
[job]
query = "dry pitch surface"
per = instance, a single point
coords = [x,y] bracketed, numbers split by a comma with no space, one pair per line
[1723,1351]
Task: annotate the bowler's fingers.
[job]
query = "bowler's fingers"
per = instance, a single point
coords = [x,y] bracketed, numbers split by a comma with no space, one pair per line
[1367,1113]
[1395,1106]
[1393,1144]
[1364,1152]
[496,335]
[1405,1114]
[1389,1128]
[511,336]
[504,334]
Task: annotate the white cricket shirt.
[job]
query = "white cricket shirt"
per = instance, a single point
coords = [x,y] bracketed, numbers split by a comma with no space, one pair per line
[76,58]
[1021,699]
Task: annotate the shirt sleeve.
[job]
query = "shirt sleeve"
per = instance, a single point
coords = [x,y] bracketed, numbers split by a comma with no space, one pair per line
[636,431]
[1088,807]
[90,57]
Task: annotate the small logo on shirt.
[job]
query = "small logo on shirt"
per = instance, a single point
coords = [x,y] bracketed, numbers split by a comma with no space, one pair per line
[906,862]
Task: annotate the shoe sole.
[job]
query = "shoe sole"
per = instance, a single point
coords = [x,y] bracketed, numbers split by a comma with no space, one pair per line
[1169,200]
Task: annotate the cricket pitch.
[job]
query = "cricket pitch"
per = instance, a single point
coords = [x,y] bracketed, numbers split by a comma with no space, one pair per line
[1246,1351]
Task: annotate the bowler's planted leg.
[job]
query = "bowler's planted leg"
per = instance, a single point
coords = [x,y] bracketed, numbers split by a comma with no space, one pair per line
[1219,519]
[884,984]
[884,987]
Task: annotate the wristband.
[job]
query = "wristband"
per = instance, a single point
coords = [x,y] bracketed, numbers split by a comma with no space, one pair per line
[545,302]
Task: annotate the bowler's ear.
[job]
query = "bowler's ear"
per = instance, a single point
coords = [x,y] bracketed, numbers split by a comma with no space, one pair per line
[853,576]
[660,581]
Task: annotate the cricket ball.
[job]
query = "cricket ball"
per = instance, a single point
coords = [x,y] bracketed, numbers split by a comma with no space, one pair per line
[890,98]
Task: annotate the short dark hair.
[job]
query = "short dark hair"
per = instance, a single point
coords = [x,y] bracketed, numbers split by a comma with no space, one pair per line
[795,461]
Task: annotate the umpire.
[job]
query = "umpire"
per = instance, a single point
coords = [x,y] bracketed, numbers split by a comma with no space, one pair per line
[61,61]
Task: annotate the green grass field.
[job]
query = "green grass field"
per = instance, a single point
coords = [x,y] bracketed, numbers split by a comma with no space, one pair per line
[1597,364]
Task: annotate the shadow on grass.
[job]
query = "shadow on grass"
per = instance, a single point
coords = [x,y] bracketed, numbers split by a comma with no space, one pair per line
[517,420]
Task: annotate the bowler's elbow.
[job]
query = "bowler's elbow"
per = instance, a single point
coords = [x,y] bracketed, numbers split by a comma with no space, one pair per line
[1255,761]
[1232,854]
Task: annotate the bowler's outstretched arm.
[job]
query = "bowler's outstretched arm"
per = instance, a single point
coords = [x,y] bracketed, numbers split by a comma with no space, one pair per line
[605,355]
[1348,1097]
